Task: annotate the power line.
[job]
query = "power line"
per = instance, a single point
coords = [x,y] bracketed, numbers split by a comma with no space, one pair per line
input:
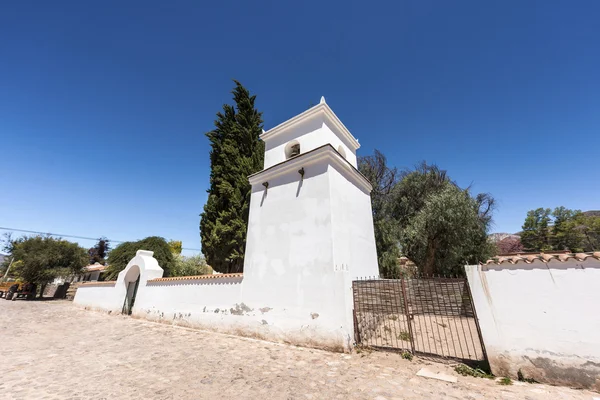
[73,236]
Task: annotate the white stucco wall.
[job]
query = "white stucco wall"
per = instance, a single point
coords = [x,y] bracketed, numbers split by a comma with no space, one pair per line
[289,250]
[541,318]
[307,238]
[99,296]
[203,303]
[108,296]
[352,216]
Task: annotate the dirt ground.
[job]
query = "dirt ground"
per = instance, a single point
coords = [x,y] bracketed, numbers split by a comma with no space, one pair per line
[433,334]
[52,350]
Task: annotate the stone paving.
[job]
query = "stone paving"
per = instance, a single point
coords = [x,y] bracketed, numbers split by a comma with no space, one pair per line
[53,350]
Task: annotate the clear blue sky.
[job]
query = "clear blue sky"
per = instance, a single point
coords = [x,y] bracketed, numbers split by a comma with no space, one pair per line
[104,105]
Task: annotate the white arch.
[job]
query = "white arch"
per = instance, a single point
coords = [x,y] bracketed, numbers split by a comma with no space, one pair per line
[291,148]
[143,264]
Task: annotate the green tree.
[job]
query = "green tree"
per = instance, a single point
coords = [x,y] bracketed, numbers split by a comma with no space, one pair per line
[176,246]
[40,259]
[383,179]
[99,252]
[442,227]
[236,153]
[564,234]
[586,228]
[119,257]
[535,234]
[190,266]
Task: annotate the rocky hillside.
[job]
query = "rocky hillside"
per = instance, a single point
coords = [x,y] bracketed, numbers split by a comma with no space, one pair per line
[592,213]
[496,237]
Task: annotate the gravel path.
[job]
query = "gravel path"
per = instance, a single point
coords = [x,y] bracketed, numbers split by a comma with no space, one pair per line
[52,350]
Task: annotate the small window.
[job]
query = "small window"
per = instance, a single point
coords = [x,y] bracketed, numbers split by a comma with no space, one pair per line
[341,151]
[292,149]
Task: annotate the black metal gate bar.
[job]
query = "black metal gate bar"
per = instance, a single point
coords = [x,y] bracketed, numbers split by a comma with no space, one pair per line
[430,316]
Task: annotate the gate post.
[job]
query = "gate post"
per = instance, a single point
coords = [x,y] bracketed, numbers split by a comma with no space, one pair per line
[407,313]
[357,339]
[476,319]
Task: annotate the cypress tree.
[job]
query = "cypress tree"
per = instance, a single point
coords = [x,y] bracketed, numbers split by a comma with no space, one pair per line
[236,152]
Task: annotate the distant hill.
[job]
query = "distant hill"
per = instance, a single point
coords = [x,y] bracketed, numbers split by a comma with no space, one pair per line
[592,213]
[496,237]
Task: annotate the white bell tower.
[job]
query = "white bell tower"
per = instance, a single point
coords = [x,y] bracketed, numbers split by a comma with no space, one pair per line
[310,229]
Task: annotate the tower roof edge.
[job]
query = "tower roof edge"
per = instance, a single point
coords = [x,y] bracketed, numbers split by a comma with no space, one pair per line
[321,109]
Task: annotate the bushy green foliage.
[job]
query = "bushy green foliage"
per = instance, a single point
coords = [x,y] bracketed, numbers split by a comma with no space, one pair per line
[521,378]
[536,230]
[425,216]
[40,259]
[236,153]
[176,246]
[442,227]
[383,179]
[446,233]
[190,266]
[465,370]
[560,229]
[119,257]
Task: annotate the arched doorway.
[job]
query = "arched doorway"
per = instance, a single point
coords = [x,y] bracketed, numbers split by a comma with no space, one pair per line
[132,281]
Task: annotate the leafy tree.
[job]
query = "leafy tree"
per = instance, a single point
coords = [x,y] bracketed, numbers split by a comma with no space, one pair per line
[442,227]
[119,257]
[190,266]
[590,227]
[561,229]
[176,246]
[581,232]
[236,152]
[564,234]
[99,252]
[383,179]
[40,259]
[536,230]
[510,245]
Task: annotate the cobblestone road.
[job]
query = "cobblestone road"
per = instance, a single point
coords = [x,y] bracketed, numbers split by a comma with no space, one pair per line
[52,350]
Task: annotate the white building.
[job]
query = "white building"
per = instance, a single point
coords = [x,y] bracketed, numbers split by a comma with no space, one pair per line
[310,232]
[89,273]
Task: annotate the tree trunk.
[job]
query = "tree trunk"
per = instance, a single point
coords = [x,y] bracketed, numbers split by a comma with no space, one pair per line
[42,288]
[428,266]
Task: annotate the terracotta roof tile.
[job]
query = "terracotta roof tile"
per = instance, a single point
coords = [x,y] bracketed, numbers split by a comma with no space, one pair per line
[95,267]
[196,277]
[543,257]
[99,283]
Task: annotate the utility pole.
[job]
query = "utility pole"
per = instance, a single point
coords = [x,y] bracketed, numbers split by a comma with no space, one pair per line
[8,269]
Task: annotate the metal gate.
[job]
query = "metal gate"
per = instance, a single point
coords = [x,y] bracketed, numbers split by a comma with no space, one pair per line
[132,288]
[427,316]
